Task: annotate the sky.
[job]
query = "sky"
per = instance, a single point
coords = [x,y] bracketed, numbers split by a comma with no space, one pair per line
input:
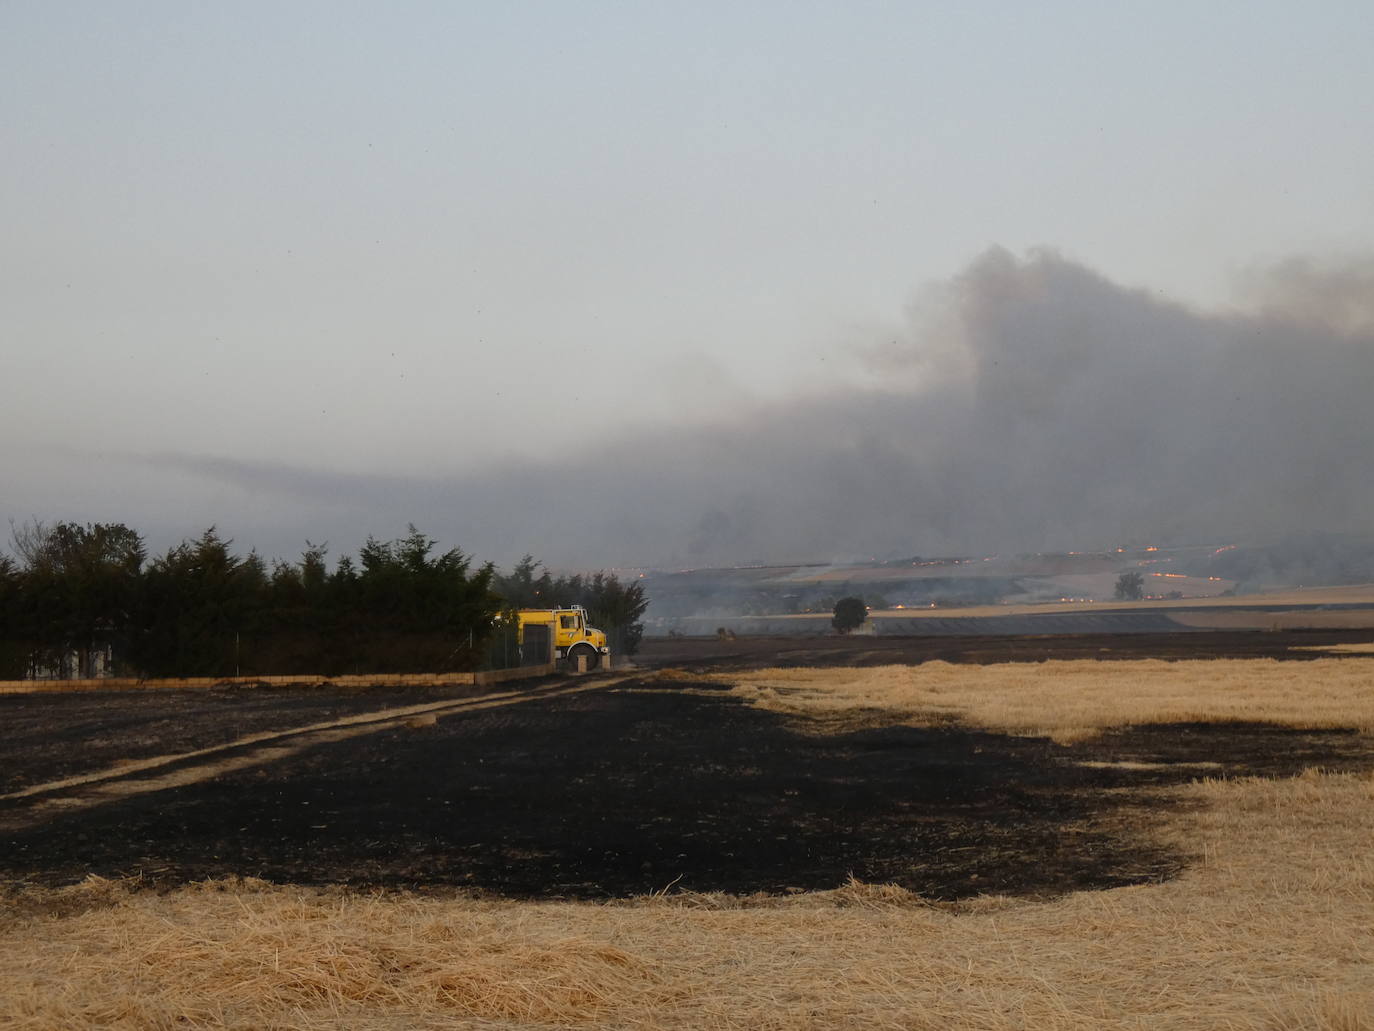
[649,284]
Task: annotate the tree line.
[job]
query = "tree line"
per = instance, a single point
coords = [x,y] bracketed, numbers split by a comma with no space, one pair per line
[81,600]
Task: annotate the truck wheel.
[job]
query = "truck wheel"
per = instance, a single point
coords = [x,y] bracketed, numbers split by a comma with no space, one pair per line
[593,657]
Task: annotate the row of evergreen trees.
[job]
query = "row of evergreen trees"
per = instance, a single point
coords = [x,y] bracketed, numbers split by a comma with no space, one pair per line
[77,600]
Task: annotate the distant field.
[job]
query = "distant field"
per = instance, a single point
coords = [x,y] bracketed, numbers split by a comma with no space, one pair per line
[816,645]
[1360,594]
[1331,608]
[1276,619]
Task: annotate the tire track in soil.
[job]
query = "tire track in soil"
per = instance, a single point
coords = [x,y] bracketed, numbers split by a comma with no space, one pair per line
[122,780]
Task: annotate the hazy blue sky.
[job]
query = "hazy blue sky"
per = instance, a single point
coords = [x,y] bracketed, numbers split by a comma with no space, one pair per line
[416,240]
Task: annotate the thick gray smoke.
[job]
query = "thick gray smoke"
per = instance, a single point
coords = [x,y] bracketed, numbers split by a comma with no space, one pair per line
[1031,405]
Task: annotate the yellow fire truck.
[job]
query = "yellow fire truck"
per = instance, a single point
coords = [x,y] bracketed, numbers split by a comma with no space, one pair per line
[564,634]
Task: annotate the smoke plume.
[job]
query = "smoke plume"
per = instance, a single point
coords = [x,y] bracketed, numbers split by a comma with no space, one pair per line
[1030,404]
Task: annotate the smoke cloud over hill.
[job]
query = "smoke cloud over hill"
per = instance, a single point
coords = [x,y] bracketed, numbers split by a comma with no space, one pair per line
[1030,404]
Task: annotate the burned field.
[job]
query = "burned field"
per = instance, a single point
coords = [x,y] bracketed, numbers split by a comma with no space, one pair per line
[632,785]
[930,842]
[795,650]
[619,793]
[49,737]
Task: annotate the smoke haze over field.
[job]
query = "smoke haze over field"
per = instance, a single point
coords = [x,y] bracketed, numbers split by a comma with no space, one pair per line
[684,284]
[1029,404]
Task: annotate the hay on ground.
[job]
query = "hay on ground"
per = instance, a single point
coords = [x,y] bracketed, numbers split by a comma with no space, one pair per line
[1272,929]
[1070,700]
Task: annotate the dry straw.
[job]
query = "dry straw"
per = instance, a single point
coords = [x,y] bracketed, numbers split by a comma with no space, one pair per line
[1271,928]
[1072,700]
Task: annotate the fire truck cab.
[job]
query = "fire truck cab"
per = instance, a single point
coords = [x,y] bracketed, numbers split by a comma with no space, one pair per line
[566,633]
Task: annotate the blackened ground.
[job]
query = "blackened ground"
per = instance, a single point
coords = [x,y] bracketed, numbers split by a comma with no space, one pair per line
[832,650]
[633,789]
[1164,753]
[49,736]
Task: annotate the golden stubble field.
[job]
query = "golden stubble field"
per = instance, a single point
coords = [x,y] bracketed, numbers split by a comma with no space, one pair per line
[1069,700]
[1269,927]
